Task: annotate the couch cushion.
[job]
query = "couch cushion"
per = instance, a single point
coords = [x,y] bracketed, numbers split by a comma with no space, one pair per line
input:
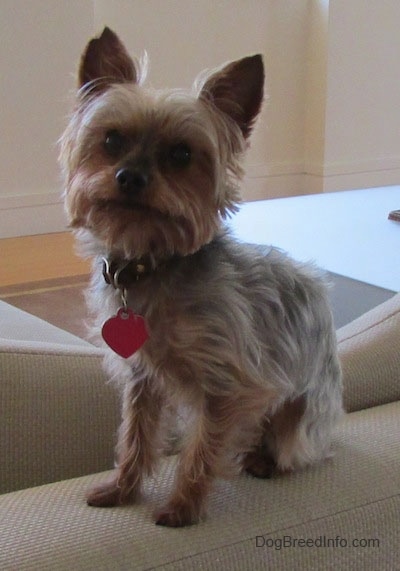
[370,354]
[353,497]
[18,325]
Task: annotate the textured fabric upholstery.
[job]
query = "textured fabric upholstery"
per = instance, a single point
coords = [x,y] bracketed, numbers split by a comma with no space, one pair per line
[58,416]
[370,354]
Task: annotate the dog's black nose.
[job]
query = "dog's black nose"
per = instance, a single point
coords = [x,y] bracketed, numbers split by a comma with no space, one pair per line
[131,180]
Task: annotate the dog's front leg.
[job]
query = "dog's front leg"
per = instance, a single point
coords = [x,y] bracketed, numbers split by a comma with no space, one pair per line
[136,447]
[198,465]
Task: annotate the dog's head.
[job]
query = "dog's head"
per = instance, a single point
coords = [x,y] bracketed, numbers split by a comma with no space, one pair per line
[153,172]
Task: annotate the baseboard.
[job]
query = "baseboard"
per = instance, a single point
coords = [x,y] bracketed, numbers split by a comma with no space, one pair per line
[331,177]
[26,215]
[273,180]
[316,184]
[278,180]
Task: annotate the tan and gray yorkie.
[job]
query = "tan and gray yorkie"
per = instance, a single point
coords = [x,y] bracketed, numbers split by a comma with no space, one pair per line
[238,337]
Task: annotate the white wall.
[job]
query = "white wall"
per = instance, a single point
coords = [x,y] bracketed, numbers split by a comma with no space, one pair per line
[332,109]
[355,141]
[40,43]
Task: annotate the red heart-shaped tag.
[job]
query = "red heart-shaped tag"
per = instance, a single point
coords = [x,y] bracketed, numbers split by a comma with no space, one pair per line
[125,332]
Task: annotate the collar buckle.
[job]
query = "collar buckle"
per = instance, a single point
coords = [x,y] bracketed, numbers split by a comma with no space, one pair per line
[113,269]
[111,272]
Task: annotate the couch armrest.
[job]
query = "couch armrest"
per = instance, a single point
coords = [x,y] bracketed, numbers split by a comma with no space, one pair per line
[369,349]
[58,415]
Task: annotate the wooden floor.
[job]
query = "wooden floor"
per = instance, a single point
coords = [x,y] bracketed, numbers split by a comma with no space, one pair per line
[39,258]
[43,276]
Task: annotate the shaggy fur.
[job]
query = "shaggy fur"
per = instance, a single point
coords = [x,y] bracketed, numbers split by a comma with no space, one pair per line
[240,336]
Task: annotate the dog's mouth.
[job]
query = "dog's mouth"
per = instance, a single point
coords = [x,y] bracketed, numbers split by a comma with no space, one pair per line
[124,211]
[128,206]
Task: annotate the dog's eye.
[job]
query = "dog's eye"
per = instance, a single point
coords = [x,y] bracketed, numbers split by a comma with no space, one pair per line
[114,143]
[180,155]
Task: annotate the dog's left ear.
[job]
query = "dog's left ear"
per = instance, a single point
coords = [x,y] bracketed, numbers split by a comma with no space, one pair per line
[106,61]
[237,90]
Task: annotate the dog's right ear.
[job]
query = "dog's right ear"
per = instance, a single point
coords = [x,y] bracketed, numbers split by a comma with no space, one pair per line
[237,90]
[106,61]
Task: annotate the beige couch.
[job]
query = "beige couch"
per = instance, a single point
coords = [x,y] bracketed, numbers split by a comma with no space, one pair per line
[57,425]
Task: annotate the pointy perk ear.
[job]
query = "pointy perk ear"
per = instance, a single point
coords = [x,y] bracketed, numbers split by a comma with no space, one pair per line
[105,61]
[237,90]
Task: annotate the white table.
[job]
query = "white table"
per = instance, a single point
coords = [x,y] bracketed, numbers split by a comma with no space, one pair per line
[347,233]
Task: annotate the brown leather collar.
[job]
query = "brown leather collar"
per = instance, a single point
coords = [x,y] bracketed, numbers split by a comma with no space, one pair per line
[122,273]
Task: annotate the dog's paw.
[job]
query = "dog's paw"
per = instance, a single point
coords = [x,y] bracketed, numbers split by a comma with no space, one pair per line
[107,494]
[176,515]
[259,465]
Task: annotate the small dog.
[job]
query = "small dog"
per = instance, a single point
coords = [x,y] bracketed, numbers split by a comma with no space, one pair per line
[240,337]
